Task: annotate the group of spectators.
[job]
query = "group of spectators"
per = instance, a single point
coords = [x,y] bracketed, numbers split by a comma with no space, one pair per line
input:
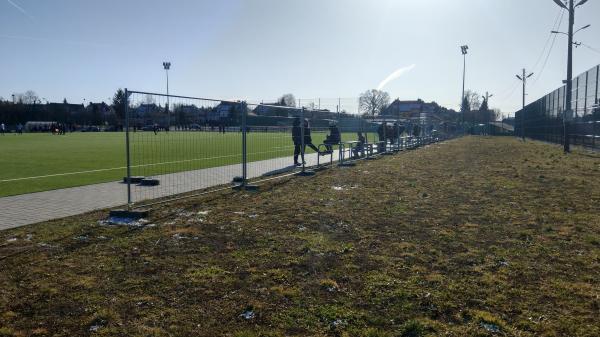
[333,138]
[18,130]
[387,133]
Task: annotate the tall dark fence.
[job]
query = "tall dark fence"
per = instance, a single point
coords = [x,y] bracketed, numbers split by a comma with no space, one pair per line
[543,119]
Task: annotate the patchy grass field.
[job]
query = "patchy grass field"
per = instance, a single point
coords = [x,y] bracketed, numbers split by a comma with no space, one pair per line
[42,162]
[472,237]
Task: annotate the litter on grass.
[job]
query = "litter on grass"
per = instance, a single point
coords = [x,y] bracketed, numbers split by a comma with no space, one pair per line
[248,315]
[493,328]
[117,221]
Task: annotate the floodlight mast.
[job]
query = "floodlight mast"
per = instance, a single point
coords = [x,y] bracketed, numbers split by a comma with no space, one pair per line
[167,66]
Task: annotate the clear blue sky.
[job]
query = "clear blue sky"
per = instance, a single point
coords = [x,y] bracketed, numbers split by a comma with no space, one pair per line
[260,49]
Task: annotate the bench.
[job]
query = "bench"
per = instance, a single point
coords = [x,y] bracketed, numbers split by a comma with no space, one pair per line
[324,151]
[352,148]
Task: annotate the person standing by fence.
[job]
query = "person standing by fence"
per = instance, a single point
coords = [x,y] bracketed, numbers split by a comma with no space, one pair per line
[297,139]
[2,128]
[308,138]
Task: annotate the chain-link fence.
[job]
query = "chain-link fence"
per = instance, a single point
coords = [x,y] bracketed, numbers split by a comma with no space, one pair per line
[543,119]
[176,145]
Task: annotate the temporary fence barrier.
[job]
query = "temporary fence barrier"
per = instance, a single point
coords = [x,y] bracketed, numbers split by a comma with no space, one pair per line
[177,145]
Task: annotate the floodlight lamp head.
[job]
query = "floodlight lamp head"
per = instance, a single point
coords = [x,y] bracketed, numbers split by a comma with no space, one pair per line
[167,65]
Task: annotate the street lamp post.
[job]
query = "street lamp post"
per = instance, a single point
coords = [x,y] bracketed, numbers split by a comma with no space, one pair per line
[568,114]
[167,66]
[464,50]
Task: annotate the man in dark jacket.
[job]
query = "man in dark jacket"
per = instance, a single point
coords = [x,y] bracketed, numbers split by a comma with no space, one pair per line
[299,148]
[297,139]
[307,138]
[382,133]
[334,137]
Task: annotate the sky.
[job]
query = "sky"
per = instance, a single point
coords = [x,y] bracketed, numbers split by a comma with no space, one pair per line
[258,50]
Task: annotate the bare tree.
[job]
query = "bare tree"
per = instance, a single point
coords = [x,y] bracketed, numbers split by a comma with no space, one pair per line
[474,99]
[287,100]
[373,102]
[149,100]
[29,97]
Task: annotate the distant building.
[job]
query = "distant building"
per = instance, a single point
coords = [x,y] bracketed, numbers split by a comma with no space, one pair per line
[409,109]
[225,111]
[189,113]
[102,109]
[71,109]
[147,110]
[276,110]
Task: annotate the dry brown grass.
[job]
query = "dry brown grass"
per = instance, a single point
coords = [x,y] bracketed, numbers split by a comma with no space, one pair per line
[476,236]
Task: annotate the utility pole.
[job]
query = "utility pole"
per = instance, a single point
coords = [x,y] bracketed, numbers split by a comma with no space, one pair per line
[568,114]
[487,113]
[524,80]
[464,50]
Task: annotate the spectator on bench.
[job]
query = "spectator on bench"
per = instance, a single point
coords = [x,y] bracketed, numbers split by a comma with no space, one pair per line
[359,150]
[334,137]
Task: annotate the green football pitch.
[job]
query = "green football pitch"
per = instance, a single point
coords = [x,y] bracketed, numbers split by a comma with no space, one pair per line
[40,162]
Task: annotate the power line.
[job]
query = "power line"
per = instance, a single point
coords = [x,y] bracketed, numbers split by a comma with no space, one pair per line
[554,27]
[590,48]
[537,78]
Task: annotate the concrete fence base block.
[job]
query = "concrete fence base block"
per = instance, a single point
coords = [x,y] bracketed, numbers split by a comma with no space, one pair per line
[347,165]
[130,214]
[133,180]
[243,187]
[149,182]
[306,173]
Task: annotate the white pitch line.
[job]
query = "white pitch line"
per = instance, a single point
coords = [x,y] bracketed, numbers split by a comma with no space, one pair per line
[133,166]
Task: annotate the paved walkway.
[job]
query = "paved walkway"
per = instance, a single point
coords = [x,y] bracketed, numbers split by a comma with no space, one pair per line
[21,210]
